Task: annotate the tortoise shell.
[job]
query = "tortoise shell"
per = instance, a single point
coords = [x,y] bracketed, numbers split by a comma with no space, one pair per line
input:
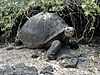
[40,29]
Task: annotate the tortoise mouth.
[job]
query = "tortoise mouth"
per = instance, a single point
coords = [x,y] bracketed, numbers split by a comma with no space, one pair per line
[69,34]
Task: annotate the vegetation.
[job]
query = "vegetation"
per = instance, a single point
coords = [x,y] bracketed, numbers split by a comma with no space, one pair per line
[11,9]
[91,9]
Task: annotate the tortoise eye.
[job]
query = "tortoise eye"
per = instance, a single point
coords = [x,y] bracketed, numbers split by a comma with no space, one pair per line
[68,29]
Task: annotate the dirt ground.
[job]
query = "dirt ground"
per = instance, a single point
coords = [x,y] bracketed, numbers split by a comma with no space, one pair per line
[15,56]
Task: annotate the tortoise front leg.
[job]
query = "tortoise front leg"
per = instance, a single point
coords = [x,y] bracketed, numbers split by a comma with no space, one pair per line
[55,46]
[73,45]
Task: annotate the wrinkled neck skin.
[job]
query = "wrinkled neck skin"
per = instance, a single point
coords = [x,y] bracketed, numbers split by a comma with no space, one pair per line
[65,40]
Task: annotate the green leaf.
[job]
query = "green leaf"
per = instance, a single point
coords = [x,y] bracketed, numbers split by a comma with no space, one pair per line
[87,13]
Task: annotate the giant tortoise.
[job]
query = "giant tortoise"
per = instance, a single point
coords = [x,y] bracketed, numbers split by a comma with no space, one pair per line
[45,30]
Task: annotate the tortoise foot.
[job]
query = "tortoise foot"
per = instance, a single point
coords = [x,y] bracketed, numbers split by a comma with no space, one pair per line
[74,45]
[55,46]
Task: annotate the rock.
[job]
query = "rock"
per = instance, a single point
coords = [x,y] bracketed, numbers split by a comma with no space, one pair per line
[22,69]
[9,71]
[19,69]
[86,59]
[68,61]
[27,71]
[68,58]
[9,47]
[1,72]
[20,47]
[47,70]
[66,51]
[36,54]
[97,52]
[84,63]
[19,66]
[48,74]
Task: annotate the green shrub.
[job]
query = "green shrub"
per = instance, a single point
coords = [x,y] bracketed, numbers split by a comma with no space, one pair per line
[90,7]
[11,9]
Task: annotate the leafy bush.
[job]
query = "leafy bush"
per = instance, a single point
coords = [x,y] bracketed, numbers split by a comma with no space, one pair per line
[90,7]
[84,16]
[11,9]
[91,11]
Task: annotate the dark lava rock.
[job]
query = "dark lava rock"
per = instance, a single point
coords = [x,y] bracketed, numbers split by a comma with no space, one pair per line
[20,47]
[22,69]
[68,61]
[19,69]
[86,59]
[8,71]
[9,47]
[48,73]
[68,58]
[36,54]
[66,51]
[19,66]
[47,70]
[97,51]
[1,72]
[84,63]
[26,71]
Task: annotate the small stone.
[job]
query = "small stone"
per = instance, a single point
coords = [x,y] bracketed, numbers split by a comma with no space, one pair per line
[9,71]
[22,69]
[1,72]
[9,47]
[48,74]
[68,61]
[83,63]
[20,65]
[36,54]
[48,69]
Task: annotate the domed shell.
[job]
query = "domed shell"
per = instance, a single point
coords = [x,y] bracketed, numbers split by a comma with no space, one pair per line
[40,29]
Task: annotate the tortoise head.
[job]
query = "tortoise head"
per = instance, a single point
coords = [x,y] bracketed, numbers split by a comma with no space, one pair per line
[69,31]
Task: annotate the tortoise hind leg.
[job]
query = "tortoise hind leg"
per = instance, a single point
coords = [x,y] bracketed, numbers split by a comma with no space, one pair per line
[17,42]
[55,46]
